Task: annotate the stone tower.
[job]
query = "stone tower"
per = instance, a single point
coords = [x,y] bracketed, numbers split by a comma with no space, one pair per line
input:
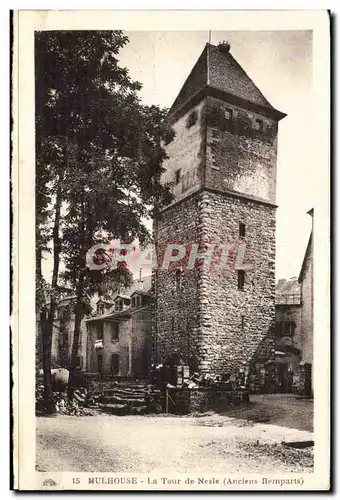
[222,164]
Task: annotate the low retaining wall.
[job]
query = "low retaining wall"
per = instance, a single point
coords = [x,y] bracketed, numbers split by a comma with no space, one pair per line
[184,401]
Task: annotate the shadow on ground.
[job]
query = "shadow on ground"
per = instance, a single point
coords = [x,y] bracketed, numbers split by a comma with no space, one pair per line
[285,410]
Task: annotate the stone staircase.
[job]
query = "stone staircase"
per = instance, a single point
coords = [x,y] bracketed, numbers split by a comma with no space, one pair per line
[123,398]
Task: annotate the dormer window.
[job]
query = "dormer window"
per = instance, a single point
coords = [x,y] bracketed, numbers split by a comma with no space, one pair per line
[100,309]
[177,176]
[258,125]
[119,305]
[137,301]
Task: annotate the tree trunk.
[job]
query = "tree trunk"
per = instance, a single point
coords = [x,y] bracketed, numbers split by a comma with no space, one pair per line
[75,345]
[79,311]
[47,330]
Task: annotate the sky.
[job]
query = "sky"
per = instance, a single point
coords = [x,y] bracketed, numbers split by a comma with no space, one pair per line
[281,65]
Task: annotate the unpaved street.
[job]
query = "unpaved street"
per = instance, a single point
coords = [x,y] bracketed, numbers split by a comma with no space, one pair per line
[210,443]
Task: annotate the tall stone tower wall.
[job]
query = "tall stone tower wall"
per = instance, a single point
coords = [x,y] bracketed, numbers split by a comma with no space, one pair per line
[222,164]
[177,311]
[203,320]
[239,157]
[187,153]
[235,322]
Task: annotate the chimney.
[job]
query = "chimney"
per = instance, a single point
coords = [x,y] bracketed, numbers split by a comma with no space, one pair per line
[140,281]
[224,46]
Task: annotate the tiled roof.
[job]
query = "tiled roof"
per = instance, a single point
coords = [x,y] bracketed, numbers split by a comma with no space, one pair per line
[217,69]
[143,286]
[288,287]
[226,74]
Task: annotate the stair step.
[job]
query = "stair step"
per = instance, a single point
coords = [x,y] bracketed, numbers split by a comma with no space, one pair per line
[119,394]
[117,409]
[116,400]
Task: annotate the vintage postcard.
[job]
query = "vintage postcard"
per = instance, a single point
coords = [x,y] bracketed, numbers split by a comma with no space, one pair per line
[171,237]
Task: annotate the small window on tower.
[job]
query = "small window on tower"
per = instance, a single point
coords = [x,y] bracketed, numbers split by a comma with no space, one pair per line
[240,279]
[259,125]
[242,322]
[242,230]
[228,114]
[192,119]
[177,176]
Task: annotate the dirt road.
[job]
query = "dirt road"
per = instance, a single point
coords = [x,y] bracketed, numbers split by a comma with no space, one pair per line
[278,409]
[211,443]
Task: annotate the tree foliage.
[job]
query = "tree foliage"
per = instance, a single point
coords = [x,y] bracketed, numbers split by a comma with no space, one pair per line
[99,159]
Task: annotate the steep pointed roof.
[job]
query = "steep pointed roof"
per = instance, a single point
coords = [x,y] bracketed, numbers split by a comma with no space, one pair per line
[216,72]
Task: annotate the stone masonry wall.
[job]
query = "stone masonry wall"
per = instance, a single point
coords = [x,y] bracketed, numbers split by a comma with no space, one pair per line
[141,323]
[60,357]
[187,153]
[239,157]
[227,340]
[291,313]
[307,312]
[110,346]
[228,176]
[204,320]
[176,312]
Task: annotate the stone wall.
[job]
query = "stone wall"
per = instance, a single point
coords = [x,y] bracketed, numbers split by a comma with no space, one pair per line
[227,159]
[110,346]
[204,320]
[60,356]
[124,347]
[176,312]
[187,153]
[239,157]
[227,340]
[132,343]
[141,325]
[307,311]
[290,313]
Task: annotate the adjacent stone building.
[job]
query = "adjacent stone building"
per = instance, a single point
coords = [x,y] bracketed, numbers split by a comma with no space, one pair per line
[115,340]
[222,165]
[62,336]
[294,327]
[288,348]
[306,281]
[119,335]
